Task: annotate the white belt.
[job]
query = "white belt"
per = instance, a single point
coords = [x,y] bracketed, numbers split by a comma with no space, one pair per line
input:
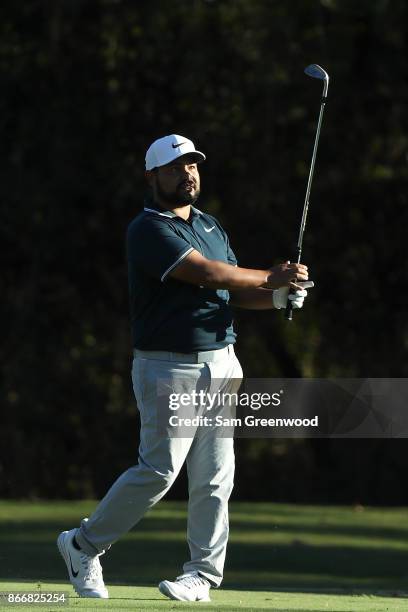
[200,357]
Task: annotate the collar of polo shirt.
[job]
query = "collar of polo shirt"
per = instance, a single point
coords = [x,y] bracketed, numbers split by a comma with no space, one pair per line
[167,213]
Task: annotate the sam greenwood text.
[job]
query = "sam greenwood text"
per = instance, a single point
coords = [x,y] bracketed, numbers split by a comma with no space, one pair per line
[248,421]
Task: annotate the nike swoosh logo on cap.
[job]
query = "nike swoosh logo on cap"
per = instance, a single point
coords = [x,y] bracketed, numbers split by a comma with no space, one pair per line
[74,573]
[175,146]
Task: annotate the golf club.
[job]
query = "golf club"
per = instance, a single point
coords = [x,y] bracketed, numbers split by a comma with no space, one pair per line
[316,72]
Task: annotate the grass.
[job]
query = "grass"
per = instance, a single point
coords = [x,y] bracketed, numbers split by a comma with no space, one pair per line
[280,557]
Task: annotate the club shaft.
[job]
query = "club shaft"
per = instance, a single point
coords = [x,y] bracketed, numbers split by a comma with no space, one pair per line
[309,182]
[289,308]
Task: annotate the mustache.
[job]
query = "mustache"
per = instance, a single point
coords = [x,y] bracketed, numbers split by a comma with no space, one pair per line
[186,183]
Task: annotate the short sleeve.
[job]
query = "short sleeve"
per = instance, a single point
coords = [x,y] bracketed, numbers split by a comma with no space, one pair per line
[154,247]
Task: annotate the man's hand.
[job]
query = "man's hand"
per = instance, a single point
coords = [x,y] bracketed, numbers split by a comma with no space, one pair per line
[286,275]
[281,296]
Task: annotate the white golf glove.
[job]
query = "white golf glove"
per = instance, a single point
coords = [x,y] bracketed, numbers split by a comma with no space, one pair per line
[280,296]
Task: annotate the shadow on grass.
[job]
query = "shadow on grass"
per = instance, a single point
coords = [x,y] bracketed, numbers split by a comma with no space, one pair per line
[28,553]
[159,524]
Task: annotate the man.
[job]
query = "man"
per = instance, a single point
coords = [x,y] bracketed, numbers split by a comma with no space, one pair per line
[183,276]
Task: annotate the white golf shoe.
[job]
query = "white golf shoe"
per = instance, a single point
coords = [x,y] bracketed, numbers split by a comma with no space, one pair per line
[85,572]
[187,587]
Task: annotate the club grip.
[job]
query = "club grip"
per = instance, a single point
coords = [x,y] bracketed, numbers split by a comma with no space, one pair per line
[289,309]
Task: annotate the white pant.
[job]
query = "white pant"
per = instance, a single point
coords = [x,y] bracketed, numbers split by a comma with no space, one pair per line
[210,466]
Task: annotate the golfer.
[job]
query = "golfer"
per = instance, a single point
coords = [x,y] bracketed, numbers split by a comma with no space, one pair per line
[183,279]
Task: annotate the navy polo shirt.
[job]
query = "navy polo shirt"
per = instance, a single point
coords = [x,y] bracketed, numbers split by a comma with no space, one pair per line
[167,314]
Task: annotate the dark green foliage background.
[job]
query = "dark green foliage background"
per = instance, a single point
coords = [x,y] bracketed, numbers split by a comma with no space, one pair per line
[86,86]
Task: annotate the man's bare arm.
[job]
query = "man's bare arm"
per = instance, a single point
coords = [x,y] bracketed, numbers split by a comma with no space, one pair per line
[199,270]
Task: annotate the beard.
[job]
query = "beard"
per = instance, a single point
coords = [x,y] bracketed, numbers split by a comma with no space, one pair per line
[180,196]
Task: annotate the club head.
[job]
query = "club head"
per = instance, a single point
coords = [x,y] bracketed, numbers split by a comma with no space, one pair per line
[316,72]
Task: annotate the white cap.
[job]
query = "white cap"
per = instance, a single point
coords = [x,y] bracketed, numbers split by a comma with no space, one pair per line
[167,149]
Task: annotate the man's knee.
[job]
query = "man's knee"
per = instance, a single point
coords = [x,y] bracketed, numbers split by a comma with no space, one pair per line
[212,489]
[152,474]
